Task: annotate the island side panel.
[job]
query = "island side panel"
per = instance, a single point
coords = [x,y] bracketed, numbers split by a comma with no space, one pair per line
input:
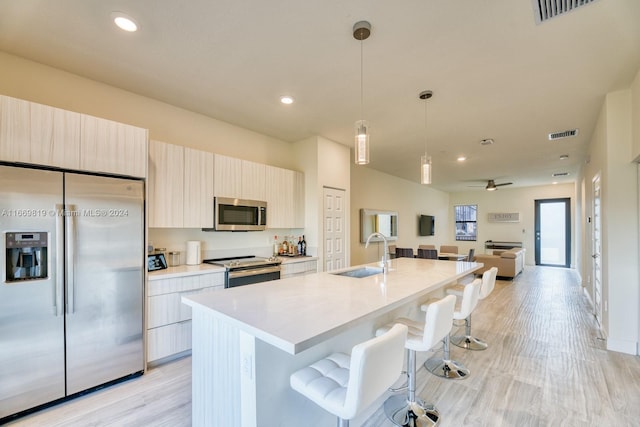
[215,389]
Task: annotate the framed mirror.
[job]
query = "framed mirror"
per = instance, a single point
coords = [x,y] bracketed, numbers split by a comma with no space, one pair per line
[384,222]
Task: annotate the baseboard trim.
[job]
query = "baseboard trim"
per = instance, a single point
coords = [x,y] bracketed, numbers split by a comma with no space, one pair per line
[621,346]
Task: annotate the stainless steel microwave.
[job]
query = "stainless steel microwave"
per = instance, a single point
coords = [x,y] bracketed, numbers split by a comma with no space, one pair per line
[239,215]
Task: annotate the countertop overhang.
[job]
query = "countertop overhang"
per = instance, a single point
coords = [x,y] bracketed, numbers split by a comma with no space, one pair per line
[297,313]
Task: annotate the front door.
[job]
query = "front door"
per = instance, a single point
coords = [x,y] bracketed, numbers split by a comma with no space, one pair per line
[335,238]
[553,232]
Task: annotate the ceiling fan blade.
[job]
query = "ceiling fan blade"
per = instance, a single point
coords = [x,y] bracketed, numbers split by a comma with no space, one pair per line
[504,183]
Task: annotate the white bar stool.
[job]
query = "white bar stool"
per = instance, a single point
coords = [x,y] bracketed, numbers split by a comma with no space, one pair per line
[409,410]
[445,367]
[345,385]
[467,341]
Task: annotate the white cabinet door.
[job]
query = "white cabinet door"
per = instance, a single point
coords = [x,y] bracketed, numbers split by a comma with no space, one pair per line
[253,180]
[279,197]
[298,199]
[198,189]
[166,185]
[55,137]
[227,179]
[112,147]
[15,130]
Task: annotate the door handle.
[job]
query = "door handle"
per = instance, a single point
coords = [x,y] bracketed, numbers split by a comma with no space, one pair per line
[58,303]
[594,256]
[69,214]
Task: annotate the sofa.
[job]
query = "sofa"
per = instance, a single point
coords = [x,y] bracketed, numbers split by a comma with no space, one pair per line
[509,262]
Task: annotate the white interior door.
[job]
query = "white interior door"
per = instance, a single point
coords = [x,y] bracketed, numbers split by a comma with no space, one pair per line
[596,237]
[334,221]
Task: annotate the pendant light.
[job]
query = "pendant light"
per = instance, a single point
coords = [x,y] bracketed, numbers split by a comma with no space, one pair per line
[361,31]
[425,160]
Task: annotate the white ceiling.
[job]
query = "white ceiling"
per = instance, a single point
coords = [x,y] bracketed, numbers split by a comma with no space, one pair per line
[494,72]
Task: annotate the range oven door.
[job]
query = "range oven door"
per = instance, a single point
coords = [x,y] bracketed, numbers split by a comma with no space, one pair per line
[250,276]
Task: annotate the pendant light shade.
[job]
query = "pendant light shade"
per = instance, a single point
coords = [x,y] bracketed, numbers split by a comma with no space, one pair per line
[425,169]
[361,31]
[425,160]
[362,142]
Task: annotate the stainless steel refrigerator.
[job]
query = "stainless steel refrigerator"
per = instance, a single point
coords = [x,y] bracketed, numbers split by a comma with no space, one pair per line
[71,295]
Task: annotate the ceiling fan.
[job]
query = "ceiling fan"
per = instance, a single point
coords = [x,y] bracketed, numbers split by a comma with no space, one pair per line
[491,185]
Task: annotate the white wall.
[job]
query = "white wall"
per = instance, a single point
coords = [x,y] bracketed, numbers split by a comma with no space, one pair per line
[326,164]
[371,189]
[508,200]
[611,154]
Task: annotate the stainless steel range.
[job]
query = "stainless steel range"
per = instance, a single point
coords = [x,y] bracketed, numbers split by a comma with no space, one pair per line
[246,270]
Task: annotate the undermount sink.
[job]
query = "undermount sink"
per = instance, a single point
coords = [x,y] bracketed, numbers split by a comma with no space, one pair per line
[360,272]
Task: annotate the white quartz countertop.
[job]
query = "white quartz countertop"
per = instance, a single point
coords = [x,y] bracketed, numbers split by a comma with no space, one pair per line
[185,270]
[297,313]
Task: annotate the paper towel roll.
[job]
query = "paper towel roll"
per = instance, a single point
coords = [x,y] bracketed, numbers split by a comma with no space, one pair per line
[193,252]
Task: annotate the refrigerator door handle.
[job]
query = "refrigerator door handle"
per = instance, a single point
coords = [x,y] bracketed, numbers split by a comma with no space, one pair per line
[58,303]
[69,215]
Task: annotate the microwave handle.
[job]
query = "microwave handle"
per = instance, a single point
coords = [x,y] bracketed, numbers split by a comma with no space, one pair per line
[262,216]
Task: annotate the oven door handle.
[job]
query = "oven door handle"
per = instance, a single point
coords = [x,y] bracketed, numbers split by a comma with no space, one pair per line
[253,272]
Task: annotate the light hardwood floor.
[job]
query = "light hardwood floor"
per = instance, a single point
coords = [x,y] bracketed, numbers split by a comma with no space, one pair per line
[545,366]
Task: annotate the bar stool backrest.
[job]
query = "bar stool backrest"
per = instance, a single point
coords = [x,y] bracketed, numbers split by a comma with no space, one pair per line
[438,320]
[375,365]
[469,299]
[488,282]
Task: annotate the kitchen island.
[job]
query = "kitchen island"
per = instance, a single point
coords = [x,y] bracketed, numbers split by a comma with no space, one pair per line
[248,340]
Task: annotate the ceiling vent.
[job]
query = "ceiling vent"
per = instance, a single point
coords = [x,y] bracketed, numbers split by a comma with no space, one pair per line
[563,134]
[547,9]
[561,174]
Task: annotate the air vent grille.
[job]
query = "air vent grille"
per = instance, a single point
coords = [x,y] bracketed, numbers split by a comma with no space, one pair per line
[561,174]
[547,9]
[563,134]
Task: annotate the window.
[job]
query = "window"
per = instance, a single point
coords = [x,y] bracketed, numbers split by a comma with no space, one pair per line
[466,222]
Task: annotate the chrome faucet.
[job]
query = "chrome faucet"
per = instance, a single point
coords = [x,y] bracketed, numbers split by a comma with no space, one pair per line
[385,255]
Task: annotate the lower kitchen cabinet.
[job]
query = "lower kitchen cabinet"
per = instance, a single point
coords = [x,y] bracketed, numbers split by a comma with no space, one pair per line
[168,320]
[298,268]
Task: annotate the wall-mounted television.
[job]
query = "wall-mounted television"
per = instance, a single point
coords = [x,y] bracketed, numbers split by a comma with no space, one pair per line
[426,225]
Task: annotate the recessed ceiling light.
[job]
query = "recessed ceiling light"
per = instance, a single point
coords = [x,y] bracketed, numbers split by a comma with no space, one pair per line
[487,141]
[124,22]
[564,156]
[462,158]
[286,99]
[554,182]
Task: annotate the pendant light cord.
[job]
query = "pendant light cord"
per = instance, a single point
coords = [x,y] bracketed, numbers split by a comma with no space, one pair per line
[361,82]
[425,128]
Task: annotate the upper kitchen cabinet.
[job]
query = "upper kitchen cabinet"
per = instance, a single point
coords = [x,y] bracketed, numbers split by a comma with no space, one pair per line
[111,147]
[239,179]
[227,180]
[180,187]
[166,185]
[198,189]
[38,134]
[285,198]
[253,181]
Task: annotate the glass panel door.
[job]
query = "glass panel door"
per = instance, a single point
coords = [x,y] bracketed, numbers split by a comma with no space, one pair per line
[553,232]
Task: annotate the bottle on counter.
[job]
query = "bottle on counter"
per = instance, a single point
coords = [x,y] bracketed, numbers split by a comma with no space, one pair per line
[304,246]
[300,252]
[292,247]
[285,246]
[276,246]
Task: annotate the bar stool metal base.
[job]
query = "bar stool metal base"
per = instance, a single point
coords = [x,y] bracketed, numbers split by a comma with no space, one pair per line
[410,414]
[449,369]
[469,342]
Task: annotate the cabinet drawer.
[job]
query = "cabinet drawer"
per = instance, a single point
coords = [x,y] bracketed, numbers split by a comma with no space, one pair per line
[187,283]
[168,308]
[168,340]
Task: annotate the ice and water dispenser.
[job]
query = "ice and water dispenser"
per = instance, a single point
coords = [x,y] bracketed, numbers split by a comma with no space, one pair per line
[26,256]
